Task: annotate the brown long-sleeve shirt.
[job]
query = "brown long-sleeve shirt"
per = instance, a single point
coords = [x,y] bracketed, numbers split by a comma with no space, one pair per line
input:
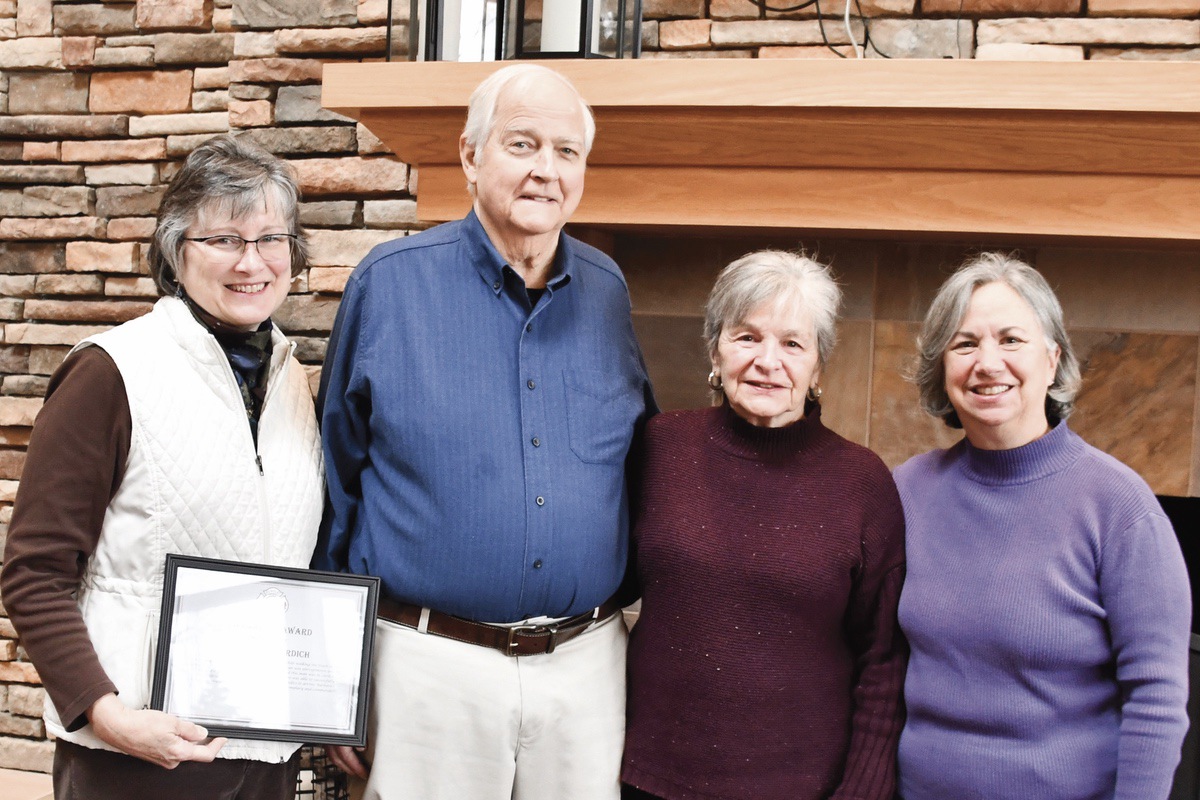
[75,463]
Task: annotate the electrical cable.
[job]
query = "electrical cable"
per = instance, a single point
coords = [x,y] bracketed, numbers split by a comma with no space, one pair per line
[858,52]
[387,53]
[867,32]
[762,4]
[824,38]
[958,27]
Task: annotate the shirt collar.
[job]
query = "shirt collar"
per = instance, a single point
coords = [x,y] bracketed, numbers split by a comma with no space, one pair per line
[222,330]
[1052,452]
[491,264]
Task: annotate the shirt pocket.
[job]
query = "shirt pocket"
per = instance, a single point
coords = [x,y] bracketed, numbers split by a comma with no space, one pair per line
[601,412]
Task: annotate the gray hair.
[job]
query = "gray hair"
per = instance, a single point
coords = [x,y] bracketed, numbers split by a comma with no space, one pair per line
[948,309]
[774,276]
[227,175]
[481,108]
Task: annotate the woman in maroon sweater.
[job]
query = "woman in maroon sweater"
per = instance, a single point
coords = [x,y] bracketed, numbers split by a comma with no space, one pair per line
[767,662]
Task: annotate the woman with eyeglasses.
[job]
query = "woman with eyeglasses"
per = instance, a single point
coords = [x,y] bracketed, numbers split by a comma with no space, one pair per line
[189,430]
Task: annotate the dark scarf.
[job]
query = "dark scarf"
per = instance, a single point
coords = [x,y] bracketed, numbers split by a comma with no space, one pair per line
[249,354]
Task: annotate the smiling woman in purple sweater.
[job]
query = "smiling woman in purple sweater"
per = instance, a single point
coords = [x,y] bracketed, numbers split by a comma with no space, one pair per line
[1046,604]
[767,663]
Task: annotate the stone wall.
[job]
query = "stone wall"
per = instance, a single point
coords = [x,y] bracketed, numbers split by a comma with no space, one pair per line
[100,100]
[984,29]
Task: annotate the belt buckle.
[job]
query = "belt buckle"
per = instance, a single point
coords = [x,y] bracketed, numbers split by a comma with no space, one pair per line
[513,643]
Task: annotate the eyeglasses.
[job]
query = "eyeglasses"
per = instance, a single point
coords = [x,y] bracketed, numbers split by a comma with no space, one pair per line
[227,247]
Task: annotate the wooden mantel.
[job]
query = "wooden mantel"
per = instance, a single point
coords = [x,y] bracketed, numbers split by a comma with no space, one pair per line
[1103,149]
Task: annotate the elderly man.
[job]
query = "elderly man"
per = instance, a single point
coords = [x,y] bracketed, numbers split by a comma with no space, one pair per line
[481,392]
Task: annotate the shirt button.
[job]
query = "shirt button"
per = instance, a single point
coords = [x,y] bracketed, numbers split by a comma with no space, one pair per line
[496,286]
[537,442]
[541,501]
[537,564]
[530,384]
[528,328]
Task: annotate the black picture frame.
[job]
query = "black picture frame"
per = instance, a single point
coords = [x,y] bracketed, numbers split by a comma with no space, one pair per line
[231,583]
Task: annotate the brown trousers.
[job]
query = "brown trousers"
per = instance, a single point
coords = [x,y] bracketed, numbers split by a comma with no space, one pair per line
[82,773]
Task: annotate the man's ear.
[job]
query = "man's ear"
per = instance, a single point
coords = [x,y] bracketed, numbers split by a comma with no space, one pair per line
[466,154]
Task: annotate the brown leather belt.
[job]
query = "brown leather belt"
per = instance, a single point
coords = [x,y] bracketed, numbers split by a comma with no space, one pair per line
[519,640]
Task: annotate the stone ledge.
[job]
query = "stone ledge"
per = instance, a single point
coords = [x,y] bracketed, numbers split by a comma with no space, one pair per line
[19,785]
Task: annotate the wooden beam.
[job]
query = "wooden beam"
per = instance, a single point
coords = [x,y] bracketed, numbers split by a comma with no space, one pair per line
[1134,86]
[903,201]
[1037,142]
[1105,150]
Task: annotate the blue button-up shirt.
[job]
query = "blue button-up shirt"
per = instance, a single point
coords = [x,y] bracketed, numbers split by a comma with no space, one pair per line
[475,442]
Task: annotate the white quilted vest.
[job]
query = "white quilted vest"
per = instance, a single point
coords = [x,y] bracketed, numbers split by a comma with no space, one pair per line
[193,486]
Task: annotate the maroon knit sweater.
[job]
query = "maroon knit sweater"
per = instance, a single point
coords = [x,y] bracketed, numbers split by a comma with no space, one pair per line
[767,661]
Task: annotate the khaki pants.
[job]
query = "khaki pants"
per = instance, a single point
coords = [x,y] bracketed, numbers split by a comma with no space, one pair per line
[456,721]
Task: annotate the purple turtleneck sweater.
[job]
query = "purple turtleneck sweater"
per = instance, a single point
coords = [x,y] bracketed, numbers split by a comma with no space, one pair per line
[1047,607]
[767,663]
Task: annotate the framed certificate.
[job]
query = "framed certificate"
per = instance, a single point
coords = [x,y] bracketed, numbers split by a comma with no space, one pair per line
[257,652]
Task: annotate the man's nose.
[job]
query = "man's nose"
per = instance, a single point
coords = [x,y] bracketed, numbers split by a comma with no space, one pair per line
[544,165]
